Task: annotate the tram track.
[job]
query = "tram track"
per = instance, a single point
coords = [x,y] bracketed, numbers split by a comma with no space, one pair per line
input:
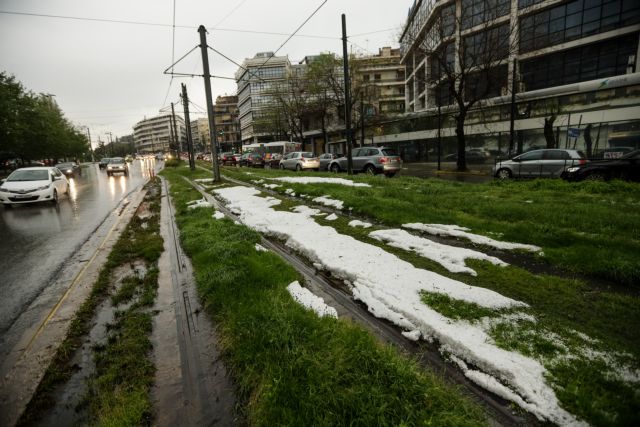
[499,410]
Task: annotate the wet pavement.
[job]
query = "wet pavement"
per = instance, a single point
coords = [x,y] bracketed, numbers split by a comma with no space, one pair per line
[37,239]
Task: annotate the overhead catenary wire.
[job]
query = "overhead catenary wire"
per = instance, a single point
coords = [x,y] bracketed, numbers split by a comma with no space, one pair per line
[157,24]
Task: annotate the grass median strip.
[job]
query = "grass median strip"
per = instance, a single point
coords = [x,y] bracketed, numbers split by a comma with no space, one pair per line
[292,367]
[118,392]
[558,330]
[590,228]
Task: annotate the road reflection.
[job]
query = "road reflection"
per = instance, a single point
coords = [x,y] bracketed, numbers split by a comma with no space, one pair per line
[38,238]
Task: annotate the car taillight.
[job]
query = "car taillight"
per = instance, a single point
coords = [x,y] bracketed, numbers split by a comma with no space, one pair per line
[384,160]
[582,162]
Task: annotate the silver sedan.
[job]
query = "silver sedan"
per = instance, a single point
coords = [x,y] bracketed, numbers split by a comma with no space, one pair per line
[300,160]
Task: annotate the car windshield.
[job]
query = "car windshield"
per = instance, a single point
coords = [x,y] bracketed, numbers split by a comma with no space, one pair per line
[105,160]
[307,154]
[389,152]
[29,175]
[117,160]
[64,165]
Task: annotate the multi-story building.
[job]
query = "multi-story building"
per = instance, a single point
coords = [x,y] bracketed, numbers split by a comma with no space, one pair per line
[256,78]
[154,134]
[383,81]
[573,60]
[200,135]
[227,123]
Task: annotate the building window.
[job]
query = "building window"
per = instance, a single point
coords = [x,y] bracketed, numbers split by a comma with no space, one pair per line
[476,12]
[579,18]
[605,59]
[365,77]
[486,46]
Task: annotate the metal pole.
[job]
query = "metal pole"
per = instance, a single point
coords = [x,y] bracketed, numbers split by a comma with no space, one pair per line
[439,134]
[173,138]
[512,119]
[361,122]
[185,104]
[175,131]
[347,95]
[207,88]
[90,146]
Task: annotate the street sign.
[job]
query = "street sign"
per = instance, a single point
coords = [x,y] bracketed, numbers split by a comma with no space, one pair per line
[574,132]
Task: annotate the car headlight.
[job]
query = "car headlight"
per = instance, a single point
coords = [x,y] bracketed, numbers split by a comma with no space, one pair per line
[573,169]
[2,190]
[69,170]
[44,187]
[109,167]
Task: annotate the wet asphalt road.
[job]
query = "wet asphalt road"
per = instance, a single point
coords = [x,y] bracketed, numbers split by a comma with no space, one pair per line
[36,239]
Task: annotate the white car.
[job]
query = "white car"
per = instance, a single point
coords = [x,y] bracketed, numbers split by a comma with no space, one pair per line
[32,185]
[299,160]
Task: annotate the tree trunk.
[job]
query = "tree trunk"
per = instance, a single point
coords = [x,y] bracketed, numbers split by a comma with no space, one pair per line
[587,140]
[462,160]
[548,132]
[325,146]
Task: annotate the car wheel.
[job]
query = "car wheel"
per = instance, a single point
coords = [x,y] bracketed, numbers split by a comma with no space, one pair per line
[298,168]
[335,168]
[54,200]
[596,176]
[504,174]
[370,170]
[391,174]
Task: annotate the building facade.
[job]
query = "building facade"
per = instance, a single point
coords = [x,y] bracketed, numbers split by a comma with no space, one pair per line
[255,79]
[227,123]
[576,61]
[383,78]
[155,134]
[200,135]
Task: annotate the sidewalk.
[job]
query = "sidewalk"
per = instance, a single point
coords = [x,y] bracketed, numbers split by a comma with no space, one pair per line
[477,173]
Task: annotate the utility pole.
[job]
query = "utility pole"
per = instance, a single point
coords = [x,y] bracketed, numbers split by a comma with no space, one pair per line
[173,136]
[361,122]
[175,131]
[513,106]
[110,143]
[185,103]
[439,133]
[207,88]
[90,146]
[347,95]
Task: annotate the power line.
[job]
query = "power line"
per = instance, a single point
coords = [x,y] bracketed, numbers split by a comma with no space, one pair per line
[156,24]
[229,14]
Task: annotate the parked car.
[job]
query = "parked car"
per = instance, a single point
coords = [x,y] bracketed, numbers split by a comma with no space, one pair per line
[626,167]
[103,162]
[300,160]
[471,156]
[325,159]
[372,160]
[252,159]
[546,163]
[69,169]
[229,159]
[34,184]
[613,152]
[117,165]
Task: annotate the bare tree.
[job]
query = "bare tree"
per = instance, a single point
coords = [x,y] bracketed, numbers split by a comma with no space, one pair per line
[463,70]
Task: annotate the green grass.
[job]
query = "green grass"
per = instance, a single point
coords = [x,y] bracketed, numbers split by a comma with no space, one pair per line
[590,228]
[291,367]
[561,307]
[119,394]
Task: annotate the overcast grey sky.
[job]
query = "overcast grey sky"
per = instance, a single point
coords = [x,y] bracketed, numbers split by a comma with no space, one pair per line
[108,75]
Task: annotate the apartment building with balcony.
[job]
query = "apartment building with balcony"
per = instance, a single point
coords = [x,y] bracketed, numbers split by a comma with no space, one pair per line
[383,79]
[227,123]
[200,135]
[578,58]
[155,134]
